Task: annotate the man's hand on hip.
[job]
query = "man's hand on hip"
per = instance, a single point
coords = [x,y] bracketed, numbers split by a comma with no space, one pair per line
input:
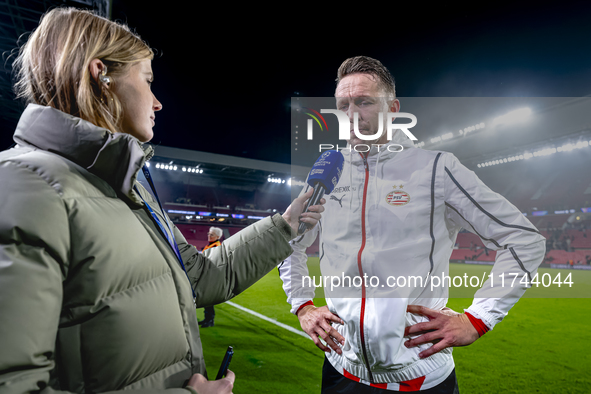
[316,323]
[445,328]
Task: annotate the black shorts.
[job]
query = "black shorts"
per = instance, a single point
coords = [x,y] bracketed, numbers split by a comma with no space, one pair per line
[335,383]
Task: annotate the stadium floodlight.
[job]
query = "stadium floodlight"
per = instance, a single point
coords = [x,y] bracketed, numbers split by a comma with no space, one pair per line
[545,152]
[470,129]
[184,169]
[513,117]
[296,182]
[157,165]
[570,147]
[147,164]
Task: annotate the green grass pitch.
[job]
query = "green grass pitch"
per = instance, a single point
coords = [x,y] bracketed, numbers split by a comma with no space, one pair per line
[542,346]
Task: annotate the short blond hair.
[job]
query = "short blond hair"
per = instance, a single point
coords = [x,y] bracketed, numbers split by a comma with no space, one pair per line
[52,68]
[373,67]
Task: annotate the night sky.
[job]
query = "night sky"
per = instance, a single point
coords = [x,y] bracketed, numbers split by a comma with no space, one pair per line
[225,75]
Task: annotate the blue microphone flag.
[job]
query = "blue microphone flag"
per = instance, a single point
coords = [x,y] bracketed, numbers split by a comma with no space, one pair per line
[327,170]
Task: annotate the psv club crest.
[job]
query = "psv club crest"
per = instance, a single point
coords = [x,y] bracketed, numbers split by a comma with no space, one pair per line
[398,197]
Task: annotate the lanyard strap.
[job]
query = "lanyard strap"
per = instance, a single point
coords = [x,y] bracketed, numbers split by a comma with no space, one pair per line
[170,238]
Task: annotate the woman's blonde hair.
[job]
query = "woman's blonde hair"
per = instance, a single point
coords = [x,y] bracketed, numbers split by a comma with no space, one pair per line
[52,68]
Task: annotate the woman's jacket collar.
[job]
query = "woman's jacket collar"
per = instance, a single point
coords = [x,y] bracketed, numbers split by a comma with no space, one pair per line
[114,157]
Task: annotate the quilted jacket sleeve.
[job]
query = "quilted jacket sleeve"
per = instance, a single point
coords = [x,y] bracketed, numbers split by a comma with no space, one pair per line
[221,273]
[34,247]
[34,256]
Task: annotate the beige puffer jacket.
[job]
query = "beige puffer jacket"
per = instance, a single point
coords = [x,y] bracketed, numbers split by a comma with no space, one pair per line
[92,296]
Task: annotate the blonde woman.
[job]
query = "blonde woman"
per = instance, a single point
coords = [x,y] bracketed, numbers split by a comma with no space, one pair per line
[98,289]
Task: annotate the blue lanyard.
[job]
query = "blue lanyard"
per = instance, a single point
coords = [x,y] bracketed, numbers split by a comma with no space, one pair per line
[170,238]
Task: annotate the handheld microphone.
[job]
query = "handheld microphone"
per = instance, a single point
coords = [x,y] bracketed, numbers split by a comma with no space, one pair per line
[323,177]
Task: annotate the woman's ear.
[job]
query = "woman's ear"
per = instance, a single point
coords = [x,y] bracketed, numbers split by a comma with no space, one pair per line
[98,71]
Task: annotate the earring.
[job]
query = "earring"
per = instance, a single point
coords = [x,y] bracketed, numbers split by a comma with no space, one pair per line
[104,78]
[103,101]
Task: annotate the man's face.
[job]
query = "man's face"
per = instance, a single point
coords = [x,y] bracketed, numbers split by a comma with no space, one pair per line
[212,237]
[361,93]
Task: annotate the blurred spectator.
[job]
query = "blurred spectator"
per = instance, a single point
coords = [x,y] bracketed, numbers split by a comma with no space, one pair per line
[213,237]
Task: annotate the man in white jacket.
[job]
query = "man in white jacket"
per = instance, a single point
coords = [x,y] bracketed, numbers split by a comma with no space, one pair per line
[386,238]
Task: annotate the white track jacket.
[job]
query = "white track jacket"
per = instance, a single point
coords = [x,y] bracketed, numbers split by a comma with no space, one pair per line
[397,215]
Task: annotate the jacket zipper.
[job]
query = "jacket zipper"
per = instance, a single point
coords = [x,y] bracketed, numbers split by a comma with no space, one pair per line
[362,315]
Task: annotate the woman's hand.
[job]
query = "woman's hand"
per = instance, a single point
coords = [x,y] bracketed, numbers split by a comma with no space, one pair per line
[204,386]
[293,214]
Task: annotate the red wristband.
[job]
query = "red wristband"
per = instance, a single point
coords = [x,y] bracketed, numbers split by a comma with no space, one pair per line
[478,324]
[303,305]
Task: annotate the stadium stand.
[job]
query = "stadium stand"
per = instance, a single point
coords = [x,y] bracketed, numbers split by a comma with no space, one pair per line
[553,191]
[196,234]
[549,221]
